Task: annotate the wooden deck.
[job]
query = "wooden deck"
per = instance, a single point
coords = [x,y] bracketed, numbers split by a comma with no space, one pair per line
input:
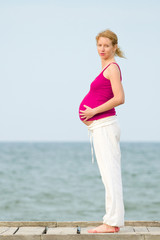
[133,230]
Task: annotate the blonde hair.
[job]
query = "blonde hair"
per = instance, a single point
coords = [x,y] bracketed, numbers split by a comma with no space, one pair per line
[113,37]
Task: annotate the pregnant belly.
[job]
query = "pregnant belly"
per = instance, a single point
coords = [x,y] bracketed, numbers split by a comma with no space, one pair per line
[86,101]
[90,101]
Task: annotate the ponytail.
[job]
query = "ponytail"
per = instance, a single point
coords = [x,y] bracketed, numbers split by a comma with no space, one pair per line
[119,53]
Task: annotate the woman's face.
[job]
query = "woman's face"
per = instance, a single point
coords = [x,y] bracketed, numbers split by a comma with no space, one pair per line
[105,48]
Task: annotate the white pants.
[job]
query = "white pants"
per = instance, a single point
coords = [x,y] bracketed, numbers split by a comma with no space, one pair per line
[106,136]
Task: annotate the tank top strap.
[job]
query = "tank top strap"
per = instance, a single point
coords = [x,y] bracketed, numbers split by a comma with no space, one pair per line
[117,66]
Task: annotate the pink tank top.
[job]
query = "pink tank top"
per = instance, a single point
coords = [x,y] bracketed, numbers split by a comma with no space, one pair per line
[99,93]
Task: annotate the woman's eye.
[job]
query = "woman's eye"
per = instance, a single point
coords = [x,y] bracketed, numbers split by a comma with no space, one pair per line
[100,45]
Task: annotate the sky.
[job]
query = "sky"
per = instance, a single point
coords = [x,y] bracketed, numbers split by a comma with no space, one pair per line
[48,59]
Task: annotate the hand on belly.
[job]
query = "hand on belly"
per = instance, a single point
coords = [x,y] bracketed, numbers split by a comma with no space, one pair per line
[87,113]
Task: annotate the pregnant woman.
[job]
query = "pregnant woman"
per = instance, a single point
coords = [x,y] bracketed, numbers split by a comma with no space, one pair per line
[97,111]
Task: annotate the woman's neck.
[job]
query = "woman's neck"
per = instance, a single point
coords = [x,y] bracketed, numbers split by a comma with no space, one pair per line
[106,62]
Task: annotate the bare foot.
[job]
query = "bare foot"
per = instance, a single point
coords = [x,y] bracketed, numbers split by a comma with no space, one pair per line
[104,228]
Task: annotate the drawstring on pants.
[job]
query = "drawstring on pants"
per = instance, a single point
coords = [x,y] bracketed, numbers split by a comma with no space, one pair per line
[96,124]
[90,134]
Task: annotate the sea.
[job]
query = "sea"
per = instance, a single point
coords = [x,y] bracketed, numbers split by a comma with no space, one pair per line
[56,181]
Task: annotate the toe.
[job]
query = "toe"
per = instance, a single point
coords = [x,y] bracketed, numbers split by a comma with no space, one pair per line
[117,229]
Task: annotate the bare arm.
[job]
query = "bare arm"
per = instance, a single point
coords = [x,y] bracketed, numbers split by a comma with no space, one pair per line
[117,88]
[118,94]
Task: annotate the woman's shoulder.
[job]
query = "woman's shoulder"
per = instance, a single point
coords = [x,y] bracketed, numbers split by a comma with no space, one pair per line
[113,69]
[114,65]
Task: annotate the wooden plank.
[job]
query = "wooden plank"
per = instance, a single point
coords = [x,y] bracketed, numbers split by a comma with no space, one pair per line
[154,229]
[94,236]
[76,224]
[143,223]
[30,231]
[62,230]
[9,230]
[152,237]
[73,224]
[21,237]
[27,224]
[140,229]
[36,232]
[127,229]
[3,229]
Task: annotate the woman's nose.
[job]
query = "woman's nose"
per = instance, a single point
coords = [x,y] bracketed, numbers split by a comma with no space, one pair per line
[102,48]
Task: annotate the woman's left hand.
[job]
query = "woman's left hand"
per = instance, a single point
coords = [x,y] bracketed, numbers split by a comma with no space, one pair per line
[87,113]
